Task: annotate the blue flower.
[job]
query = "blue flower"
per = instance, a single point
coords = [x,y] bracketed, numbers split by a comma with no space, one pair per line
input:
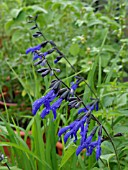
[97,106]
[50,96]
[33,49]
[91,147]
[57,59]
[87,143]
[68,134]
[55,106]
[36,56]
[80,124]
[84,133]
[89,107]
[37,104]
[98,148]
[64,129]
[73,88]
[73,128]
[85,109]
[44,112]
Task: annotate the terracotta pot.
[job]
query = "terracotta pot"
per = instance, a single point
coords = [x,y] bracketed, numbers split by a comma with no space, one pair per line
[59,148]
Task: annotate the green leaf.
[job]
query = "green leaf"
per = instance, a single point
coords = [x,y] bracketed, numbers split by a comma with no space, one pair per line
[56,5]
[108,101]
[17,36]
[74,49]
[36,8]
[15,12]
[12,168]
[126,148]
[121,129]
[9,24]
[70,151]
[105,58]
[72,60]
[26,151]
[95,168]
[94,22]
[107,157]
[122,100]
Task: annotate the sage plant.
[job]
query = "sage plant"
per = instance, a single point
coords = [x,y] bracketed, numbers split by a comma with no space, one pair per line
[60,92]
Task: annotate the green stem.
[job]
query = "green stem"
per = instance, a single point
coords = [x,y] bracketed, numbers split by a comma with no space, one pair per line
[7,166]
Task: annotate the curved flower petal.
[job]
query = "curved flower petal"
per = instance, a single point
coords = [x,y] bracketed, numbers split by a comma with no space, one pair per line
[67,135]
[36,56]
[98,148]
[91,146]
[84,134]
[32,49]
[63,130]
[44,113]
[54,112]
[37,104]
[79,149]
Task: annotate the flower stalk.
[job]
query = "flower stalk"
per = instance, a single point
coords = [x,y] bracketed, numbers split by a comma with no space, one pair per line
[74,101]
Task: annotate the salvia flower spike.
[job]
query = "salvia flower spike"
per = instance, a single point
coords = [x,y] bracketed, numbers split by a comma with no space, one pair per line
[49,97]
[66,94]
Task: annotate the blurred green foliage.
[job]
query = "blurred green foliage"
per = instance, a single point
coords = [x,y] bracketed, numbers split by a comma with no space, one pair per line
[93,36]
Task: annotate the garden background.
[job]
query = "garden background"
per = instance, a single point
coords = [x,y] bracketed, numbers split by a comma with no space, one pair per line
[93,35]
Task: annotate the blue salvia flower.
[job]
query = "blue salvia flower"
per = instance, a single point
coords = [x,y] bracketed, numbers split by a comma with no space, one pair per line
[45,112]
[57,104]
[73,88]
[90,107]
[57,59]
[68,134]
[96,144]
[73,127]
[86,144]
[49,97]
[91,147]
[33,49]
[77,125]
[97,106]
[69,127]
[85,110]
[36,48]
[98,148]
[71,133]
[84,133]
[36,56]
[53,107]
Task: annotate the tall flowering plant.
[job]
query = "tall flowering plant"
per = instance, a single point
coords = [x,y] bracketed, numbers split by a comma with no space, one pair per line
[59,92]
